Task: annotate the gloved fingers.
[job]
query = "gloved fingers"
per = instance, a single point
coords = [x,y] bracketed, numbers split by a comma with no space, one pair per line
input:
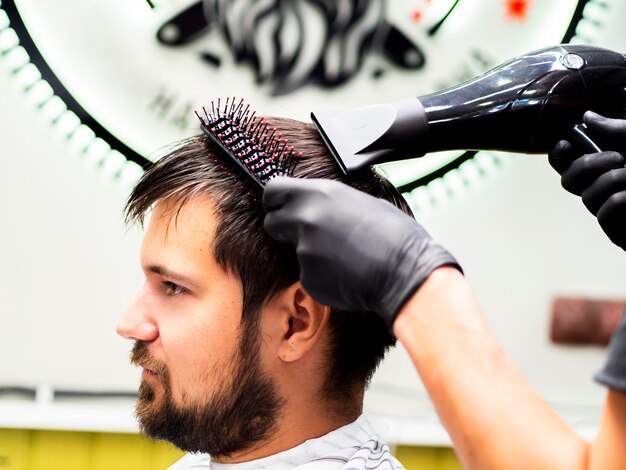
[280,226]
[278,191]
[612,218]
[278,195]
[562,155]
[316,274]
[611,182]
[586,169]
[295,206]
[282,223]
[611,131]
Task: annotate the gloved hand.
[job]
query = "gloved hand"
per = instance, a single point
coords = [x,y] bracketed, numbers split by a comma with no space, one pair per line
[600,178]
[356,252]
[614,372]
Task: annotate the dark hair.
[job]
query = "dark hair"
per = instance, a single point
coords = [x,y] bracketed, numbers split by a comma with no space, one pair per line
[358,340]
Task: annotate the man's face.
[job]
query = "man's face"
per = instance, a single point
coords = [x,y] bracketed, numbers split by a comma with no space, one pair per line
[202,380]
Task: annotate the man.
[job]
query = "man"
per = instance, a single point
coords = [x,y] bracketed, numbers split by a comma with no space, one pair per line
[239,361]
[495,419]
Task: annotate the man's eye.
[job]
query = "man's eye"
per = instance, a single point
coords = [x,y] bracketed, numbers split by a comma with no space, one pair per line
[172,289]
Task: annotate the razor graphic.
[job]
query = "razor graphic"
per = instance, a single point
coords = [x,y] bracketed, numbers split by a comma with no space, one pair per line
[524,105]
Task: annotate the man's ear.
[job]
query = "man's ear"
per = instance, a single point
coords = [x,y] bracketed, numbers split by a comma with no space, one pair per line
[302,323]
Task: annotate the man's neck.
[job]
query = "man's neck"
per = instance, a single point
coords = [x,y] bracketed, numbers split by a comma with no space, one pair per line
[293,428]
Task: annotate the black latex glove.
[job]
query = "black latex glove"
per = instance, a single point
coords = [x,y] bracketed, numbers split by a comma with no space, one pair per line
[614,372]
[599,177]
[356,252]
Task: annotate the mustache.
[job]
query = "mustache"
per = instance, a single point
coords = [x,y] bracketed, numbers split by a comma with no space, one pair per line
[140,356]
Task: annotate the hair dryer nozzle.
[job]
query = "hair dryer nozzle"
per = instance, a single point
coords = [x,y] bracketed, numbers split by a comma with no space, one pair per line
[372,134]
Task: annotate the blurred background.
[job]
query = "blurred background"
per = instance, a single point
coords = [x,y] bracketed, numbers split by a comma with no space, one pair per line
[90,90]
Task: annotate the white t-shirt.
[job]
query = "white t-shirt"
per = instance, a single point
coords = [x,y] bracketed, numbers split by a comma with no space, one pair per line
[355,446]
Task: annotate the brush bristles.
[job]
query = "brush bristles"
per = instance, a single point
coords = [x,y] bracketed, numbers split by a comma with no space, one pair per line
[250,141]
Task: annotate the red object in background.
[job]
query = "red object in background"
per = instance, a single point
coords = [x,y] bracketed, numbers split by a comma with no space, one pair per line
[517,9]
[579,320]
[416,15]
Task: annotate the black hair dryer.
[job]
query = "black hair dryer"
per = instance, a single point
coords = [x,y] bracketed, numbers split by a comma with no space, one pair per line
[524,105]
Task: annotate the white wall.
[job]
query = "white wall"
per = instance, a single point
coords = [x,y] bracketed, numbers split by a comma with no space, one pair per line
[68,266]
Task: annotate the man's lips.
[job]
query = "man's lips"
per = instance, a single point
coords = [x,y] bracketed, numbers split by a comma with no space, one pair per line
[148,374]
[148,369]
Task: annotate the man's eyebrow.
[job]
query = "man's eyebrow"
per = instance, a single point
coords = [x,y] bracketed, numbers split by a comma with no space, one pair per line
[171,275]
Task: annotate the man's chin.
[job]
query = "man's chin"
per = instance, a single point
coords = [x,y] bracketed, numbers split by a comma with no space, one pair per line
[149,403]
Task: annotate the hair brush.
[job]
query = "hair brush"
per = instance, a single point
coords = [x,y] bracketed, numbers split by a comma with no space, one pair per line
[256,147]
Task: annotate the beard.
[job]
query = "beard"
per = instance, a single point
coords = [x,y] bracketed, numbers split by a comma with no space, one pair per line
[240,413]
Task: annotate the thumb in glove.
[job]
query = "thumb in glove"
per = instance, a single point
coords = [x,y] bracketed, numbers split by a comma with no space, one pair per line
[599,177]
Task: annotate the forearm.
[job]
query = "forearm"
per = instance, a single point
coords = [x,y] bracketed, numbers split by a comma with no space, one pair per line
[494,417]
[608,451]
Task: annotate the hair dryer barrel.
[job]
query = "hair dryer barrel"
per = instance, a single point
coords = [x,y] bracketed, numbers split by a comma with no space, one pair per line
[524,105]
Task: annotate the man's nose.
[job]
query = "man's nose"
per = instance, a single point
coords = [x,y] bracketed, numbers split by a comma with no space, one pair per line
[137,323]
